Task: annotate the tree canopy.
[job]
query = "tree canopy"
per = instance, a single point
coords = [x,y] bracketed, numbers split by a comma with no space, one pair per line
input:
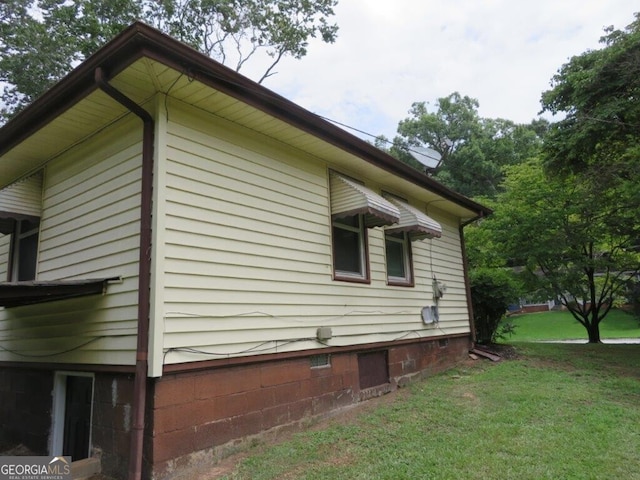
[599,94]
[42,40]
[575,236]
[474,150]
[568,219]
[589,246]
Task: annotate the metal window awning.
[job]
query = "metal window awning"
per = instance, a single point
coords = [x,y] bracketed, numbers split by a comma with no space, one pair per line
[417,224]
[20,200]
[15,294]
[351,198]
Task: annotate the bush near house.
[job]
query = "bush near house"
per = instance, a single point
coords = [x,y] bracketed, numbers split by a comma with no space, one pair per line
[492,290]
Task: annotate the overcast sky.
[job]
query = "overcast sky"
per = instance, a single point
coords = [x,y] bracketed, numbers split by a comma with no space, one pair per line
[391,53]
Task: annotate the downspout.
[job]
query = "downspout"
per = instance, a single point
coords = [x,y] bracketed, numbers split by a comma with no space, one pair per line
[144,274]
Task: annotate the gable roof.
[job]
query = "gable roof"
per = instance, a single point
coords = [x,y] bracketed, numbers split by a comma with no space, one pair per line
[142,61]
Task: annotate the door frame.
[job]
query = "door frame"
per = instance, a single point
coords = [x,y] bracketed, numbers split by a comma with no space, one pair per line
[58,410]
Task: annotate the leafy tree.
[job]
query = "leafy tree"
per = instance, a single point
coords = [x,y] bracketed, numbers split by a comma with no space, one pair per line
[234,30]
[478,166]
[596,145]
[494,286]
[41,40]
[576,236]
[474,150]
[598,92]
[453,124]
[482,246]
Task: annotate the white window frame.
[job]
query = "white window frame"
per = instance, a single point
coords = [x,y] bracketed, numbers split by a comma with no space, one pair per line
[58,410]
[402,239]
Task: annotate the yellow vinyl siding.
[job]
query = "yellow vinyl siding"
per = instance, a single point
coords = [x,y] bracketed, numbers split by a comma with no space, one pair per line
[248,266]
[89,229]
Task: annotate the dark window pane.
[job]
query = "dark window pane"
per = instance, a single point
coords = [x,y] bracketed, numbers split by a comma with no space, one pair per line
[28,225]
[27,255]
[395,259]
[347,255]
[351,221]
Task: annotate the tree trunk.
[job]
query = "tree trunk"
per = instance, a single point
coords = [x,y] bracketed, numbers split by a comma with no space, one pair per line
[593,329]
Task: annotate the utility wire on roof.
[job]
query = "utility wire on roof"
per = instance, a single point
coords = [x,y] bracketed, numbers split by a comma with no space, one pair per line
[377,137]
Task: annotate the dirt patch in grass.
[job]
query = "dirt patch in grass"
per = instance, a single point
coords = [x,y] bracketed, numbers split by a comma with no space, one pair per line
[507,352]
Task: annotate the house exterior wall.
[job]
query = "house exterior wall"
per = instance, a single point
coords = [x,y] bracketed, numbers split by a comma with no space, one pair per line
[89,229]
[241,263]
[243,270]
[248,265]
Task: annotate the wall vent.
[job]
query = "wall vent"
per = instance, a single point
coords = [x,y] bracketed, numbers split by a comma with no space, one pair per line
[321,360]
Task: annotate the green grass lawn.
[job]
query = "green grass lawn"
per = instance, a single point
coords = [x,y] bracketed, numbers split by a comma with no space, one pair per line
[558,411]
[557,325]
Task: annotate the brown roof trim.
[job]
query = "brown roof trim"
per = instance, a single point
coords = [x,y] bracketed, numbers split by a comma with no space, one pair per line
[140,40]
[16,294]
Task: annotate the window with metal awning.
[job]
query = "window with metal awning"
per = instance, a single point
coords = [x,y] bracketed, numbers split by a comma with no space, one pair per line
[415,223]
[349,198]
[20,211]
[21,200]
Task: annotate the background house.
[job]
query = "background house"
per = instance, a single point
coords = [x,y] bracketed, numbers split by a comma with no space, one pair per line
[192,259]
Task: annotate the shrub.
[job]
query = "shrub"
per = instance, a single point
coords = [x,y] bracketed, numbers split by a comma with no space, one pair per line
[492,290]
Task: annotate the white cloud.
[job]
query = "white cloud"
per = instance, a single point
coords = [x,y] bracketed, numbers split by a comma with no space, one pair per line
[391,54]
